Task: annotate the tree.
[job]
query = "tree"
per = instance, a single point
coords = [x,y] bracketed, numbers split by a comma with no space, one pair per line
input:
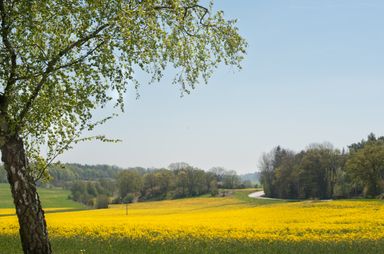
[190,182]
[78,189]
[318,170]
[309,174]
[109,186]
[60,60]
[158,183]
[150,183]
[102,201]
[196,181]
[366,165]
[166,181]
[178,165]
[181,183]
[231,180]
[312,176]
[129,182]
[219,172]
[267,165]
[211,182]
[286,176]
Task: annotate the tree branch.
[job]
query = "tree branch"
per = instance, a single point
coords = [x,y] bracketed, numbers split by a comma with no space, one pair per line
[51,67]
[159,7]
[80,59]
[186,10]
[50,160]
[8,45]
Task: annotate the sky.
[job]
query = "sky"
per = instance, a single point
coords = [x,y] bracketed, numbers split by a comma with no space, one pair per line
[313,73]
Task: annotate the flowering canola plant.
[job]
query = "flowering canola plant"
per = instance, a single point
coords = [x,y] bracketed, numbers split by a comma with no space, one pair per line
[220,218]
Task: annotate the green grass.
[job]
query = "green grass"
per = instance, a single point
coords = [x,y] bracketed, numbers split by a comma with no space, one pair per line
[10,244]
[5,196]
[242,194]
[50,198]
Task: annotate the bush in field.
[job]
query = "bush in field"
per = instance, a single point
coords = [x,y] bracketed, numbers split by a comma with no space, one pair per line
[214,189]
[129,198]
[102,201]
[87,192]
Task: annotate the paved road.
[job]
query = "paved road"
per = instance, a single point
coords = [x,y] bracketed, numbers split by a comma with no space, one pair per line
[257,194]
[260,195]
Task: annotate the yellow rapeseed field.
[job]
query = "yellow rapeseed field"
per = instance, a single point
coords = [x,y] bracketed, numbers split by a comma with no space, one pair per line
[220,218]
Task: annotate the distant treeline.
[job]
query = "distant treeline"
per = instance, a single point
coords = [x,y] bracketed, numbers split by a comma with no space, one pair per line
[61,175]
[100,184]
[65,174]
[139,184]
[322,172]
[97,185]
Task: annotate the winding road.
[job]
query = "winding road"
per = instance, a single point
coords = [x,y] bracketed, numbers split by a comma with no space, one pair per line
[257,194]
[260,195]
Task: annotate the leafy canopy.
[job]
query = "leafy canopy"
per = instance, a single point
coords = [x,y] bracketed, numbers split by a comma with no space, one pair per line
[60,60]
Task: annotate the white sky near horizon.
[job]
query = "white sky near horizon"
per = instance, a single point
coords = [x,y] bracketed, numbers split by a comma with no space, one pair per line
[314,72]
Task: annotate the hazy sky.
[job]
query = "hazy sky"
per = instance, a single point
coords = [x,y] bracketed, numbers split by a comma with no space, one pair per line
[314,72]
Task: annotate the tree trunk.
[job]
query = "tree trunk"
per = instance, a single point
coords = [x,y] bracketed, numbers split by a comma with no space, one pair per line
[33,228]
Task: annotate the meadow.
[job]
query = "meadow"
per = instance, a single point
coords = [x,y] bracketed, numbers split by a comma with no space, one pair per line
[235,224]
[50,198]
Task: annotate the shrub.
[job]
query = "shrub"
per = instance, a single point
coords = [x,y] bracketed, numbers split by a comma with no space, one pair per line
[129,198]
[214,192]
[102,201]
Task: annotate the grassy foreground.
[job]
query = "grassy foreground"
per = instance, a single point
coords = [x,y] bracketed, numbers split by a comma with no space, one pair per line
[10,244]
[234,224]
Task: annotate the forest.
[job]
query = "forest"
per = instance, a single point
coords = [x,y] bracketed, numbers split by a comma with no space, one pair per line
[99,185]
[323,172]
